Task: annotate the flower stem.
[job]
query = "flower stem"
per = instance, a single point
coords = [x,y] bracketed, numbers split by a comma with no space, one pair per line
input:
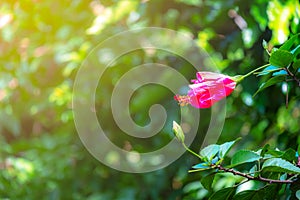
[255,70]
[191,151]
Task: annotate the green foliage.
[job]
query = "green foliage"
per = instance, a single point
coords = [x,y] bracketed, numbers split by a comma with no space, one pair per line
[281,63]
[266,165]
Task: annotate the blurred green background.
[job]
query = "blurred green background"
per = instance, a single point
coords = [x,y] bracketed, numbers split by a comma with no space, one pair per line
[43,44]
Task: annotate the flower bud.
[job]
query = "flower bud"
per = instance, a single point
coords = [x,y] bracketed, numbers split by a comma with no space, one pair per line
[178,132]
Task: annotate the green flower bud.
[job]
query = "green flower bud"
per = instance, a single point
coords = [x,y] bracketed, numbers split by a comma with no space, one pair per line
[178,132]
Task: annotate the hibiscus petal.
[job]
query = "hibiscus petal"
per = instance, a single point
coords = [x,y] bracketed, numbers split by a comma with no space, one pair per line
[208,89]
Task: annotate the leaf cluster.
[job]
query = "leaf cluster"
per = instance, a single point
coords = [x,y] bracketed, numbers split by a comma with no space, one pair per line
[284,64]
[277,171]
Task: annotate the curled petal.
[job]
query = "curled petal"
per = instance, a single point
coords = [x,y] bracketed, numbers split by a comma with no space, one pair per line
[208,89]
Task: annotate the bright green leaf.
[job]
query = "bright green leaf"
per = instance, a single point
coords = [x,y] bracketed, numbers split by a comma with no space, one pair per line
[280,165]
[281,58]
[210,151]
[290,42]
[244,156]
[268,70]
[296,50]
[270,82]
[201,166]
[280,73]
[224,148]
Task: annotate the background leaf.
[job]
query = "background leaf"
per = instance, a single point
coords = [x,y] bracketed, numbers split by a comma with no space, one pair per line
[207,181]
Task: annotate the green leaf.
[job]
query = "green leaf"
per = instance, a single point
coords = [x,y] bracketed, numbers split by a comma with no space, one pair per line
[203,165]
[225,148]
[207,181]
[289,155]
[280,165]
[210,151]
[296,50]
[264,150]
[215,160]
[244,156]
[223,194]
[253,171]
[268,70]
[275,153]
[248,195]
[290,42]
[296,64]
[268,192]
[270,82]
[281,58]
[280,73]
[298,194]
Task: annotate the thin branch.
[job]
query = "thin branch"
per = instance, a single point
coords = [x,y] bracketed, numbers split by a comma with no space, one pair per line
[293,76]
[252,177]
